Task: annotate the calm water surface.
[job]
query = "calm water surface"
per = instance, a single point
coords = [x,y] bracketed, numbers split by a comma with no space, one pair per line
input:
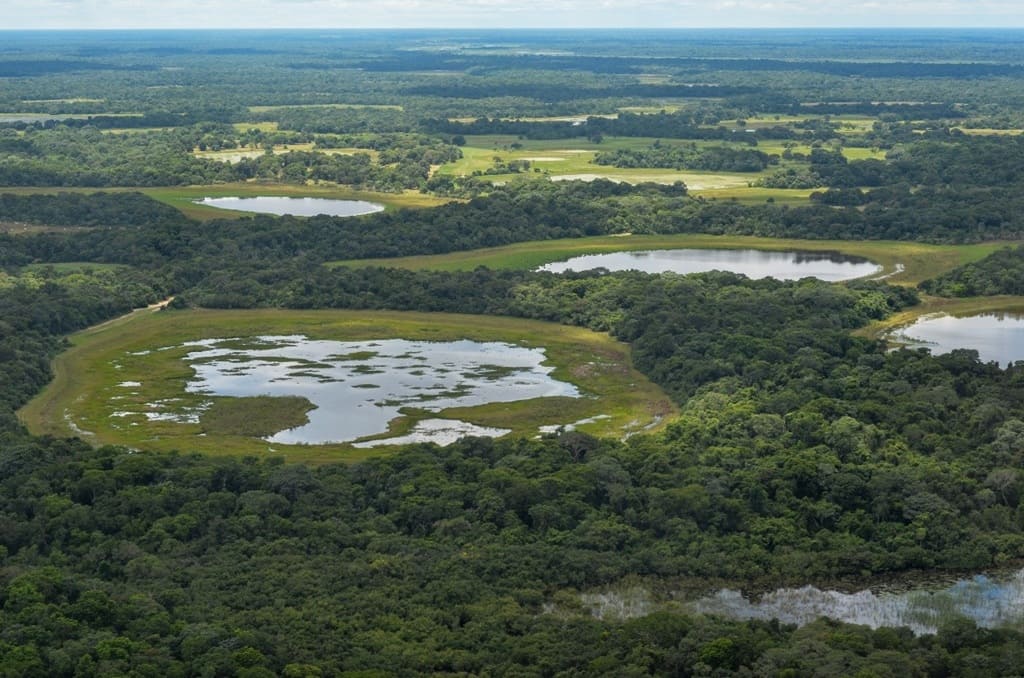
[826,266]
[299,207]
[358,387]
[989,601]
[996,337]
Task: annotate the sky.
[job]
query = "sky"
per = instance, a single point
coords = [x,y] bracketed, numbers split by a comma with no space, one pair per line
[88,14]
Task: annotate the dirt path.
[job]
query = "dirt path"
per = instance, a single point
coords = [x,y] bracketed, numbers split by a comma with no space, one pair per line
[158,306]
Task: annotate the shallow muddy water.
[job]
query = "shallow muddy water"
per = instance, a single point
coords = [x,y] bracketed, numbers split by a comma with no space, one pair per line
[358,387]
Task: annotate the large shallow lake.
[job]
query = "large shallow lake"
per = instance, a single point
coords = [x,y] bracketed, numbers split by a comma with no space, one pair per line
[828,266]
[358,387]
[298,207]
[996,337]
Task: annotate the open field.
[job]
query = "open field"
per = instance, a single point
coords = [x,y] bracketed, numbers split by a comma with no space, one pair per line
[750,195]
[919,261]
[989,131]
[81,398]
[261,126]
[571,159]
[233,155]
[568,159]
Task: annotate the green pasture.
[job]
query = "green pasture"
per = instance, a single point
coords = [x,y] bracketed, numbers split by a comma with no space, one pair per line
[87,388]
[568,159]
[260,126]
[905,263]
[989,131]
[571,159]
[234,155]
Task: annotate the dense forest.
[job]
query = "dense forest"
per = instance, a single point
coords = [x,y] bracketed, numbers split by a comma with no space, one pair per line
[998,273]
[804,451]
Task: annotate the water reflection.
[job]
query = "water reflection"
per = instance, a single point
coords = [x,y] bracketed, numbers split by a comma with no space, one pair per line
[299,207]
[989,602]
[996,337]
[358,387]
[793,265]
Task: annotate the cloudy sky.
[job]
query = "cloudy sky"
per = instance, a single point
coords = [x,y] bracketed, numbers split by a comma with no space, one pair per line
[507,13]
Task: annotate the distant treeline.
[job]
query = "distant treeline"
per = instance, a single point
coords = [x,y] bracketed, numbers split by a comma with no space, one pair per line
[84,209]
[711,159]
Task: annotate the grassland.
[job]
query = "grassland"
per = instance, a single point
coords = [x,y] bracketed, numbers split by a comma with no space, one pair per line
[905,263]
[566,159]
[85,392]
[233,155]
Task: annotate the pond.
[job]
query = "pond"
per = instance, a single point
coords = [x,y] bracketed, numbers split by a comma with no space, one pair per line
[299,207]
[359,387]
[989,601]
[828,266]
[996,337]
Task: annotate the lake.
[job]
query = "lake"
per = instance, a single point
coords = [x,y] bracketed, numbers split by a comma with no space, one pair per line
[828,266]
[299,207]
[997,337]
[989,601]
[359,387]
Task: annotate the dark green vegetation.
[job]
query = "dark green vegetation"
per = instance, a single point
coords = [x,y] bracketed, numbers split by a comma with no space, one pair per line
[257,416]
[1001,272]
[803,452]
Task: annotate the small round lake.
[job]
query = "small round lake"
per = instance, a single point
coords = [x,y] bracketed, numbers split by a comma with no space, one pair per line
[996,337]
[827,266]
[358,387]
[298,207]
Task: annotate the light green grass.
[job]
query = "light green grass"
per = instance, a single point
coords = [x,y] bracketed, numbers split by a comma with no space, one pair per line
[261,126]
[919,261]
[568,159]
[80,400]
[233,155]
[989,131]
